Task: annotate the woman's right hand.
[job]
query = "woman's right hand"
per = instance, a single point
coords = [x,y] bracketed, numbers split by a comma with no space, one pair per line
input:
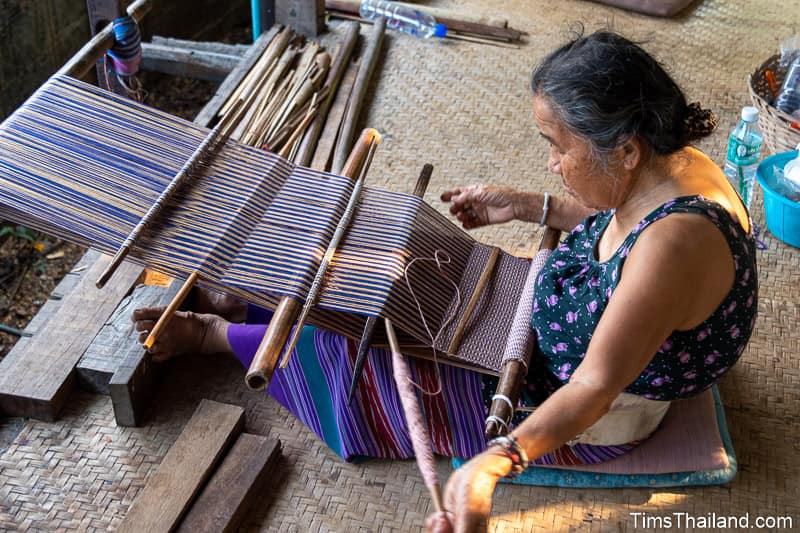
[480,205]
[187,332]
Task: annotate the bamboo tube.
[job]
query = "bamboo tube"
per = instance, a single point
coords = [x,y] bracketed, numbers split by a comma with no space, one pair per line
[513,372]
[488,268]
[335,73]
[368,62]
[266,357]
[87,56]
[333,124]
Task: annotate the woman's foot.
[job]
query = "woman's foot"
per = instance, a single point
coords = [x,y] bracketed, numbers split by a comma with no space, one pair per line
[186,332]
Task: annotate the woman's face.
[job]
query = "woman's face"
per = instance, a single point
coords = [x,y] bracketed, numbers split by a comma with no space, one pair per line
[570,157]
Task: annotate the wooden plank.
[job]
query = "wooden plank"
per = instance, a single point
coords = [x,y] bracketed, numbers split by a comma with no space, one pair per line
[187,63]
[117,343]
[237,484]
[36,378]
[306,17]
[207,114]
[237,50]
[187,465]
[132,387]
[54,301]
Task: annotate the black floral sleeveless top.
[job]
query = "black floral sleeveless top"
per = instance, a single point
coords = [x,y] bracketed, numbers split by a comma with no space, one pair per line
[574,288]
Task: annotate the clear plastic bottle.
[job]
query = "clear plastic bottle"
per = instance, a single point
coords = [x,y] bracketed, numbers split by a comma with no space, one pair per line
[788,99]
[744,151]
[403,18]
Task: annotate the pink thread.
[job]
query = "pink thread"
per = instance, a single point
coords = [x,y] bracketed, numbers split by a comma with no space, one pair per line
[416,426]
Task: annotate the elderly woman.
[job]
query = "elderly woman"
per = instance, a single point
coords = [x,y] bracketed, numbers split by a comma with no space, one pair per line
[650,298]
[654,294]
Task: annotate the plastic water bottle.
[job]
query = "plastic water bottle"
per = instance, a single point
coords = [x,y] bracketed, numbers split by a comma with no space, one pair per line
[403,18]
[744,150]
[788,99]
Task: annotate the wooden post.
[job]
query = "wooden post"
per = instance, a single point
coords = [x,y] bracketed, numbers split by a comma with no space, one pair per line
[307,17]
[102,13]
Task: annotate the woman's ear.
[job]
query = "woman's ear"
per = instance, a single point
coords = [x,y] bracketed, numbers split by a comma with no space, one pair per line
[631,153]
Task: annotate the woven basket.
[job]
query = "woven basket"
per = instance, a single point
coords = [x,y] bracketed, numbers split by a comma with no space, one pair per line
[775,125]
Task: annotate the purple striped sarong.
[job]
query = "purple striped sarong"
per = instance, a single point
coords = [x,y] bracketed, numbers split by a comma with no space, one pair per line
[313,387]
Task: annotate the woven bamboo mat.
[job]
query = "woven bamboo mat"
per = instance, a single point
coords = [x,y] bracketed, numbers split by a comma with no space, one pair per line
[466,109]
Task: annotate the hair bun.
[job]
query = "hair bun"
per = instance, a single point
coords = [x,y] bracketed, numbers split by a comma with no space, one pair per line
[698,122]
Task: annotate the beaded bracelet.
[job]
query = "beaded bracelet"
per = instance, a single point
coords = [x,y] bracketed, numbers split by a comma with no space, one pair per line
[512,450]
[545,209]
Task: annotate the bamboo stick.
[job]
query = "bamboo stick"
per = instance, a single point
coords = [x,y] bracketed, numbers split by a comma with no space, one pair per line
[333,124]
[372,321]
[335,74]
[368,62]
[486,274]
[341,227]
[169,312]
[420,440]
[268,352]
[274,50]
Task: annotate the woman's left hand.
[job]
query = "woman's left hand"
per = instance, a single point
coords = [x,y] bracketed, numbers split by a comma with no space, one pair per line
[468,495]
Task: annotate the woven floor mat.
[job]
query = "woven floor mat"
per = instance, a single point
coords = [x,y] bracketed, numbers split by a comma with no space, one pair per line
[466,109]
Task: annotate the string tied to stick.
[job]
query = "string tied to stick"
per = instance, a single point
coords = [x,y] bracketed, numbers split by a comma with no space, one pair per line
[125,55]
[440,258]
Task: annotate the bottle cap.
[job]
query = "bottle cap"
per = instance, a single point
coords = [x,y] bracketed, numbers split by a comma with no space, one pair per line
[749,114]
[441,30]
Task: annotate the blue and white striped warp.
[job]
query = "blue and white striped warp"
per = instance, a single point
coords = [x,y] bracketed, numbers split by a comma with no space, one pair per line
[85,165]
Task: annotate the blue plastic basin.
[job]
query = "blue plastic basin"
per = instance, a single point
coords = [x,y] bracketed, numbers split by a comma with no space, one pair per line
[783,214]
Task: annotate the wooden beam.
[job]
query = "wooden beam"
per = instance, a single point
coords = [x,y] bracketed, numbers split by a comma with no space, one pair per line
[239,482]
[117,343]
[238,50]
[187,465]
[187,63]
[36,377]
[207,114]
